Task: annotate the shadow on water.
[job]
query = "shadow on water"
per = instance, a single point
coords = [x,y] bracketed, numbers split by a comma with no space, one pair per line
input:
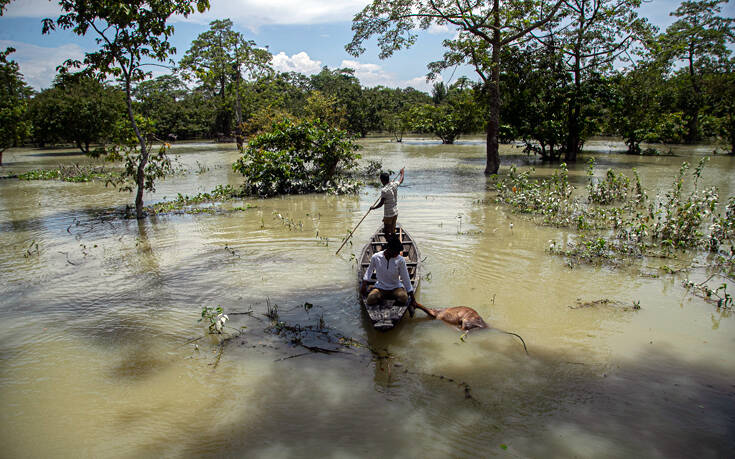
[653,405]
[56,154]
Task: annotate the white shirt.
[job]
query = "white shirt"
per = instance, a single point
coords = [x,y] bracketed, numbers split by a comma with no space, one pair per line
[388,272]
[389,193]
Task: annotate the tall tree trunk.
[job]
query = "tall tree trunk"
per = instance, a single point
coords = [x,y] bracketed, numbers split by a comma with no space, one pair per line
[493,124]
[1,156]
[140,175]
[573,114]
[238,110]
[692,109]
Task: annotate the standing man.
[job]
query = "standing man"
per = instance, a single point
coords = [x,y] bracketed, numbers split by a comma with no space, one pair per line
[389,198]
[391,272]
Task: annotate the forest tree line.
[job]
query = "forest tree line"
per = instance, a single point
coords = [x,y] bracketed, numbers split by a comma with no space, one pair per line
[676,86]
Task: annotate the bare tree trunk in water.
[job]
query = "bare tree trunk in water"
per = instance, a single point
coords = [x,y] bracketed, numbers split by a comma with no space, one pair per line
[140,175]
[493,123]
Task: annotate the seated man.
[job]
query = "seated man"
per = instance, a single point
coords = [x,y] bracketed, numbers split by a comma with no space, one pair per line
[391,271]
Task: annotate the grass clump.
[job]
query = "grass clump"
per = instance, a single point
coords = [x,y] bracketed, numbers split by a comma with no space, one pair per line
[618,219]
[73,173]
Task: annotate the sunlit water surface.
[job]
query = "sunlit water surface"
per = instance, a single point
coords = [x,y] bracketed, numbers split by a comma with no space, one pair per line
[102,354]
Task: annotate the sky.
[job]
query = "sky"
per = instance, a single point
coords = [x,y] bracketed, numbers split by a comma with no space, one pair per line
[302,35]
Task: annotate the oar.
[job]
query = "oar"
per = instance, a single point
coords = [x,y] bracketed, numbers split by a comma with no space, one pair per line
[353,229]
[358,224]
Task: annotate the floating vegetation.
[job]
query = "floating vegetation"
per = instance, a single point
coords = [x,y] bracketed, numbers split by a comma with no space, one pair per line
[289,223]
[191,204]
[32,250]
[718,296]
[619,222]
[215,318]
[605,302]
[74,173]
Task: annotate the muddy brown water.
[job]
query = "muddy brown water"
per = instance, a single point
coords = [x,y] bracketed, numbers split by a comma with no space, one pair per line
[97,314]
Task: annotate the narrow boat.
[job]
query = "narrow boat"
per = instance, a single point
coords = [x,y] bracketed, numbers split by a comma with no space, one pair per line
[387,314]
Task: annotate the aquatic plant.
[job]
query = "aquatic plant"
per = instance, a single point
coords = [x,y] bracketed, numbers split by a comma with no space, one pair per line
[185,203]
[297,157]
[215,318]
[619,219]
[74,173]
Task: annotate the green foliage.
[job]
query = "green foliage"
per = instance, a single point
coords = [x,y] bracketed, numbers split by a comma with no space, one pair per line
[299,157]
[69,174]
[125,149]
[177,113]
[635,107]
[534,99]
[14,95]
[676,221]
[457,114]
[127,34]
[185,203]
[484,29]
[550,198]
[614,188]
[79,110]
[700,40]
[214,318]
[219,60]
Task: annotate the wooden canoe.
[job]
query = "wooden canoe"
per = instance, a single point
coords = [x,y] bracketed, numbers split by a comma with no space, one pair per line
[387,314]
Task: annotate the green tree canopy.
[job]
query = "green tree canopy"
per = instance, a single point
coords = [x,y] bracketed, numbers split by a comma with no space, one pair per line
[14,95]
[129,35]
[484,29]
[78,109]
[219,59]
[698,42]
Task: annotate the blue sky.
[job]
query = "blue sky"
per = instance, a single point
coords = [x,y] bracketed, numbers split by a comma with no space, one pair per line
[303,36]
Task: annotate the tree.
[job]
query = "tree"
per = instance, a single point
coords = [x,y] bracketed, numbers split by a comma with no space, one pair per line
[345,87]
[699,40]
[721,103]
[484,29]
[457,115]
[635,105]
[218,58]
[3,5]
[592,34]
[14,95]
[128,34]
[176,111]
[78,109]
[298,157]
[534,97]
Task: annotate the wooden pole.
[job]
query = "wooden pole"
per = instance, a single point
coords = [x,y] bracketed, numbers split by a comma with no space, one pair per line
[358,224]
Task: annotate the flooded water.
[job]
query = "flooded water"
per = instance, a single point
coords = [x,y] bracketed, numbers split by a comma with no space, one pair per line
[102,354]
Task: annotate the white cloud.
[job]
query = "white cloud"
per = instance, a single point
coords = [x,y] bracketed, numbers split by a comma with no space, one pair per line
[300,62]
[436,29]
[32,9]
[256,13]
[373,75]
[38,64]
[248,13]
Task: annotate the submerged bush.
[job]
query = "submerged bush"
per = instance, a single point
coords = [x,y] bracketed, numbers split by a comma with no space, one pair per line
[299,157]
[637,226]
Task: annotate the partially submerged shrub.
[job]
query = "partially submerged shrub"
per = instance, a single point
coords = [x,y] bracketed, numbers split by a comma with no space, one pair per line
[299,157]
[674,221]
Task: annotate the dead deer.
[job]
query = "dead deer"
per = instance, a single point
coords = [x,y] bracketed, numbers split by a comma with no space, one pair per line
[463,318]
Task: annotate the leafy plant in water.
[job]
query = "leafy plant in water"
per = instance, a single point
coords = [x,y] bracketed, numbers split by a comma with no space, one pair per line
[299,157]
[677,221]
[215,318]
[614,188]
